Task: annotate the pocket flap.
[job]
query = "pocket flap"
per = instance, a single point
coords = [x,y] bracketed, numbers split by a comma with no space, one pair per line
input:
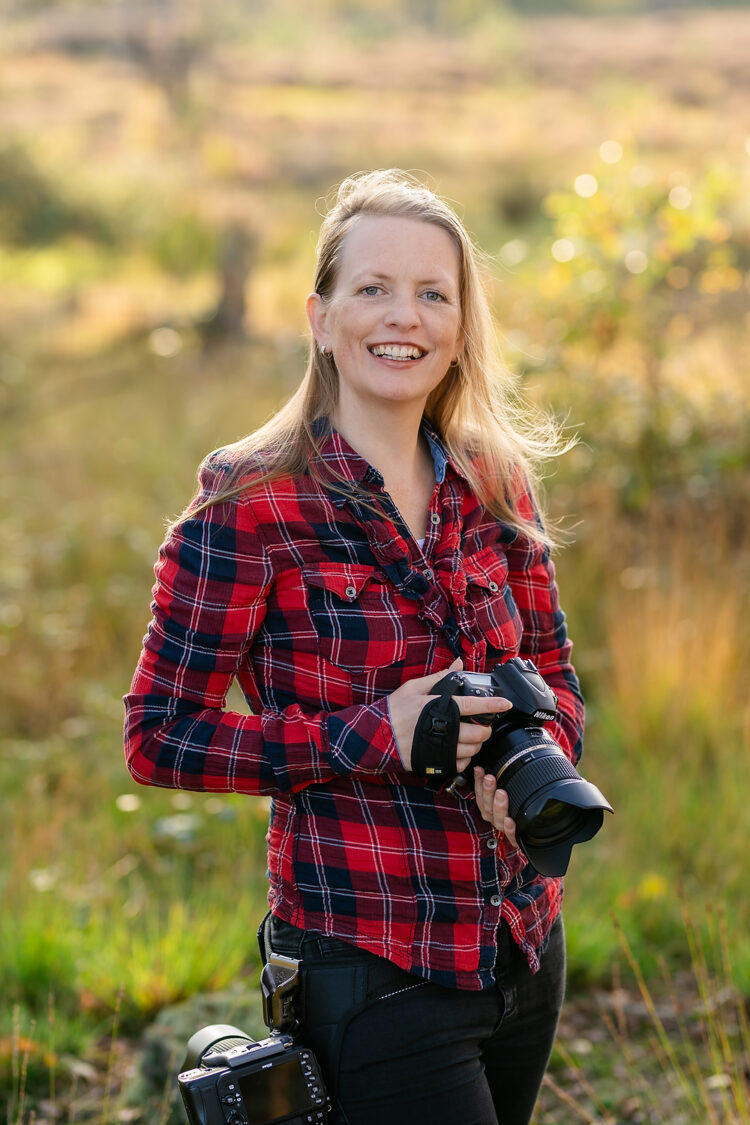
[487,569]
[355,614]
[491,600]
[346,580]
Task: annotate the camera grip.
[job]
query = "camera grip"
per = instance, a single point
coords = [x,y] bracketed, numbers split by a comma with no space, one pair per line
[435,742]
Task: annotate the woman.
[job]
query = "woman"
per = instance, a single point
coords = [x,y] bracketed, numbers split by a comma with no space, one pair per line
[380,530]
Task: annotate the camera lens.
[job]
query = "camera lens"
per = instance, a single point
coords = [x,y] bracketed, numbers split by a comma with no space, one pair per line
[554,823]
[549,815]
[552,805]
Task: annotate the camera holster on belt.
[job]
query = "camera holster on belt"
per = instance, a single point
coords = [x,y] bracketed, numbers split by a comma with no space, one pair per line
[279,983]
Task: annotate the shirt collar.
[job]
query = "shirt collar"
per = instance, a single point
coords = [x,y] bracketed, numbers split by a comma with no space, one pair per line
[345,463]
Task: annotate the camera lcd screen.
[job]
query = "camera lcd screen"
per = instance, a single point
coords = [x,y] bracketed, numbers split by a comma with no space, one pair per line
[274,1092]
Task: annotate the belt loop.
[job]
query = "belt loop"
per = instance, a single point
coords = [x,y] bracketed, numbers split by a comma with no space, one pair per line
[314,941]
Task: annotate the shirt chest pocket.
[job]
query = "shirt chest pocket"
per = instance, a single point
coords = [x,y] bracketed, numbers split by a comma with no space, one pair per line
[355,614]
[490,600]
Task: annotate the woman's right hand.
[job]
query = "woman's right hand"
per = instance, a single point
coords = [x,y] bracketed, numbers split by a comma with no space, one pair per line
[407,702]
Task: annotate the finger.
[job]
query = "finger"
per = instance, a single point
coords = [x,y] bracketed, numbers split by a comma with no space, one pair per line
[471,739]
[482,705]
[499,808]
[484,791]
[503,823]
[465,754]
[473,734]
[496,811]
[493,804]
[463,761]
[509,830]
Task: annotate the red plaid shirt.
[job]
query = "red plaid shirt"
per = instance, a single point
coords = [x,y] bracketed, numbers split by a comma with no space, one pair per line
[320,608]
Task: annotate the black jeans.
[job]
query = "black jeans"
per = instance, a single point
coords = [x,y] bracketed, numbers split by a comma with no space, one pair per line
[395,1049]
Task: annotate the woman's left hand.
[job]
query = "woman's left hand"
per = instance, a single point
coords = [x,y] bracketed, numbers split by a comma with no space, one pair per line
[493,805]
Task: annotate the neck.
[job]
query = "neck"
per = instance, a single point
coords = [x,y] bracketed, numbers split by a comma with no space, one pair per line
[388,440]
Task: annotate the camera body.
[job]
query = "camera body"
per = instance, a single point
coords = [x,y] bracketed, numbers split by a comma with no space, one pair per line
[230,1079]
[242,1082]
[552,805]
[517,681]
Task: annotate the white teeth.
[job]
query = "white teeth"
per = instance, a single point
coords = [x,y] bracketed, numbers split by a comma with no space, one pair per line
[397,351]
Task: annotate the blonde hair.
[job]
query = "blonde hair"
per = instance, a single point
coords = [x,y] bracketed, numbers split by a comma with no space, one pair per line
[475,407]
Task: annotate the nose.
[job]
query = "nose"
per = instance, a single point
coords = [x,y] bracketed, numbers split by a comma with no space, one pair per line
[402,311]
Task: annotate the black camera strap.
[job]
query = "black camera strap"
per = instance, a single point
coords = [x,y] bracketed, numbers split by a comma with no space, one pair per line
[433,752]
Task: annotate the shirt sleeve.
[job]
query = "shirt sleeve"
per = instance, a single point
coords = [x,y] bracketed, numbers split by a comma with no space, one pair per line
[531,575]
[213,578]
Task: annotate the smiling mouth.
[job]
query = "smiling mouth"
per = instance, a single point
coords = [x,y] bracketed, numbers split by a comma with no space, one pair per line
[399,352]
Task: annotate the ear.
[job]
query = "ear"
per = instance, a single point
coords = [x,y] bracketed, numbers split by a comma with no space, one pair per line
[317,314]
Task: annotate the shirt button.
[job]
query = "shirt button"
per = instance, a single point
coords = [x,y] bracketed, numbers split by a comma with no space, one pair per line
[492,843]
[351,591]
[494,587]
[435,518]
[428,574]
[496,900]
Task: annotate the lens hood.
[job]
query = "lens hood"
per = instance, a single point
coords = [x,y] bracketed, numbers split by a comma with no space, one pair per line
[547,855]
[221,1036]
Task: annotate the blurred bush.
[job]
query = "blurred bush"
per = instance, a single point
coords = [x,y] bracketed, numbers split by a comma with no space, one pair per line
[35,211]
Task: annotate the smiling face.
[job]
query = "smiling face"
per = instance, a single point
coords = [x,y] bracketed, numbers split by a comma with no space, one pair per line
[393,321]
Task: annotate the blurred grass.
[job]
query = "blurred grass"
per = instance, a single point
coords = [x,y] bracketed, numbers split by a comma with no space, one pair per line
[108,401]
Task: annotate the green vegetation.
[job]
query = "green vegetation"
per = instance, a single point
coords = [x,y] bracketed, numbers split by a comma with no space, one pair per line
[610,186]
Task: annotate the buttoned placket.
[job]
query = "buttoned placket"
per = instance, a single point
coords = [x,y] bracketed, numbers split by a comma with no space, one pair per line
[412,570]
[432,535]
[401,558]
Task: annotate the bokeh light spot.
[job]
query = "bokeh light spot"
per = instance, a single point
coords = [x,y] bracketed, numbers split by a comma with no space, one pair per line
[641,175]
[165,342]
[182,801]
[634,577]
[11,615]
[611,152]
[563,250]
[680,197]
[514,252]
[128,802]
[586,185]
[181,827]
[652,887]
[43,879]
[636,261]
[593,281]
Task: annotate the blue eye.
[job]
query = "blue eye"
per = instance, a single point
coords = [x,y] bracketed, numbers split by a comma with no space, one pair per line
[434,296]
[370,290]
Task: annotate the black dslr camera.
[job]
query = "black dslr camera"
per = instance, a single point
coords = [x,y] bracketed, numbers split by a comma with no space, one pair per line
[552,805]
[230,1079]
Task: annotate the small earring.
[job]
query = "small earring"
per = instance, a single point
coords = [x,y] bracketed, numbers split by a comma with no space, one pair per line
[323,349]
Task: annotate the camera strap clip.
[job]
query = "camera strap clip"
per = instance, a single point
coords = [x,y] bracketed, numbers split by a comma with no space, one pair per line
[279,982]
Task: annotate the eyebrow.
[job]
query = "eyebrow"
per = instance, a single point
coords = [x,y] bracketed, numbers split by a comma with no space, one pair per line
[376,275]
